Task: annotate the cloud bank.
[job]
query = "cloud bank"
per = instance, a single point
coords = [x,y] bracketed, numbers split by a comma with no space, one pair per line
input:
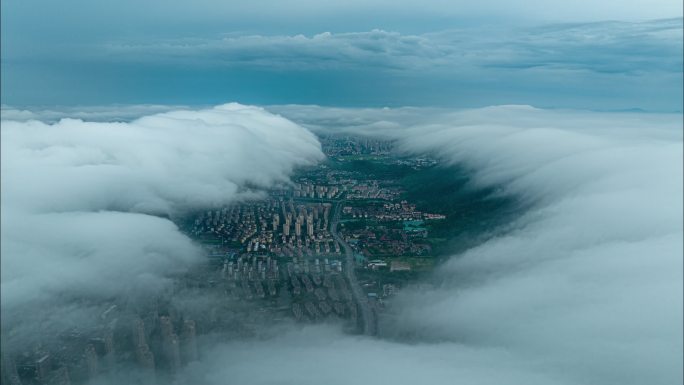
[590,285]
[86,205]
[586,288]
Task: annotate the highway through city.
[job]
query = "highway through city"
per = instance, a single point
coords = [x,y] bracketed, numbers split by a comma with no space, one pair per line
[367,314]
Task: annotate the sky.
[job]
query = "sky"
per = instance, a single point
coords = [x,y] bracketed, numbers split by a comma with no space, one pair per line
[119,118]
[609,55]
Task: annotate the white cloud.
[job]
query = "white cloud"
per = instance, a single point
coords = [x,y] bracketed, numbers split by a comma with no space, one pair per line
[157,163]
[85,204]
[591,282]
[586,288]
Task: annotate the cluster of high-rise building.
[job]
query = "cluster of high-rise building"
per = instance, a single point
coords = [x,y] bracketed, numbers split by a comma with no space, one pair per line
[154,346]
[75,356]
[278,227]
[251,276]
[314,288]
[163,343]
[319,290]
[310,190]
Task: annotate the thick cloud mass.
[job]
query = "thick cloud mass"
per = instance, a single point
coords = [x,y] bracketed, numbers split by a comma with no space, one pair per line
[155,164]
[591,282]
[84,204]
[586,289]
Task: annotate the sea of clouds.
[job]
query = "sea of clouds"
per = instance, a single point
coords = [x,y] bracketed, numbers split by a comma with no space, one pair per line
[585,289]
[87,207]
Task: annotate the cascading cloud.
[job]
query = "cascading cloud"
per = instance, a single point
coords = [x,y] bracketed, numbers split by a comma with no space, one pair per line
[86,205]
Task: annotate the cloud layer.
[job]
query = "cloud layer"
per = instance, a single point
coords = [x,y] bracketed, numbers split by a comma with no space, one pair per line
[85,205]
[586,288]
[590,285]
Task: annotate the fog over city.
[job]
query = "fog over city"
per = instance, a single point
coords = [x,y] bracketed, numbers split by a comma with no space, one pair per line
[89,203]
[341,193]
[577,273]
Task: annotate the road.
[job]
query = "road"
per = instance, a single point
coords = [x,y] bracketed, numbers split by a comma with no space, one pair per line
[366,313]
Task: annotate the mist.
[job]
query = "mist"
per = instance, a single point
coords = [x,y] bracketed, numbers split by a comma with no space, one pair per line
[88,207]
[584,286]
[590,284]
